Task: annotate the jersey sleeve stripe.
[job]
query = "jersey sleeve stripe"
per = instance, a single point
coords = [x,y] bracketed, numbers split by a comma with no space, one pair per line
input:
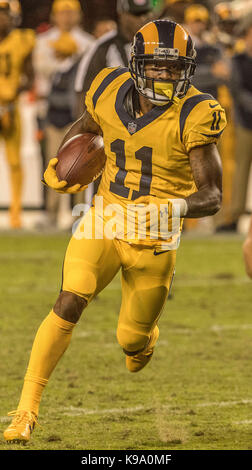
[188,107]
[213,135]
[106,82]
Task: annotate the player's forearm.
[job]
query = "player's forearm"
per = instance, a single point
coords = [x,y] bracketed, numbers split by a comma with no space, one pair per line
[205,202]
[206,169]
[84,124]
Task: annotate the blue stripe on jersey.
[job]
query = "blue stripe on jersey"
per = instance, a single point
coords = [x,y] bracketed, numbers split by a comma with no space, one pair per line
[107,80]
[188,107]
[213,135]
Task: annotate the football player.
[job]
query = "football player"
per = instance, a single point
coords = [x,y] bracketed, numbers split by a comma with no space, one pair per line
[160,138]
[15,65]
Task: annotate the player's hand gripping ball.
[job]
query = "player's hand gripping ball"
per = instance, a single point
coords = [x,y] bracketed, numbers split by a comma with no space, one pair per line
[80,161]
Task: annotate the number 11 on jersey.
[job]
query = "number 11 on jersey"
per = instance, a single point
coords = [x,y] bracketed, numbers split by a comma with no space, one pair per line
[144,154]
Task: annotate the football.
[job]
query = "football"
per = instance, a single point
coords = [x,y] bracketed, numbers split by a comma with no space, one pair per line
[81,159]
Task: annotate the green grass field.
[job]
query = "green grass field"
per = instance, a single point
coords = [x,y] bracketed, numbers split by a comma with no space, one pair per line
[196,393]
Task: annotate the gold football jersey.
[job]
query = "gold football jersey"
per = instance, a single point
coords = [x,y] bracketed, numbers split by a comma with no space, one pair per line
[13,51]
[149,155]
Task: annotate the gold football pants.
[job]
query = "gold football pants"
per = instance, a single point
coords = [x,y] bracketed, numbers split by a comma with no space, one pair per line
[91,264]
[12,143]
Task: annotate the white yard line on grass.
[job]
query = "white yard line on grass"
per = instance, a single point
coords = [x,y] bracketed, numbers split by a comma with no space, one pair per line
[231,327]
[245,421]
[208,282]
[183,331]
[75,411]
[225,403]
[190,283]
[39,255]
[211,282]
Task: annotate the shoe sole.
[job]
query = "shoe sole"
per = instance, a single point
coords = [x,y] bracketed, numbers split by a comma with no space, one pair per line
[16,441]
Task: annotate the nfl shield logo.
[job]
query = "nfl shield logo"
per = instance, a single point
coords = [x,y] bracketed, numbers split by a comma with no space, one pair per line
[132,127]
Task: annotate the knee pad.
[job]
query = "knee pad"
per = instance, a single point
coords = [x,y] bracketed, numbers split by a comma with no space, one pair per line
[131,341]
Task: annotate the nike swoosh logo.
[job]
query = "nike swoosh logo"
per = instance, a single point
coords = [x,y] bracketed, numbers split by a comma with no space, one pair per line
[213,105]
[156,253]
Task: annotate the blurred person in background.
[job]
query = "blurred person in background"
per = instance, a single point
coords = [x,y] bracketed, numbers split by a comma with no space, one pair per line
[113,48]
[103,26]
[174,10]
[110,50]
[247,251]
[55,61]
[16,13]
[16,75]
[225,24]
[212,68]
[241,86]
[223,33]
